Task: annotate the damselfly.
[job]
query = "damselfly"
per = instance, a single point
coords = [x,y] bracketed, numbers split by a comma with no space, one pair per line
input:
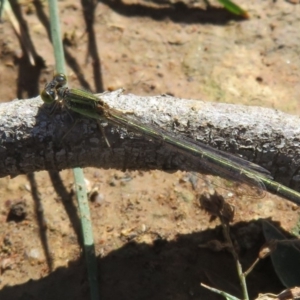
[211,160]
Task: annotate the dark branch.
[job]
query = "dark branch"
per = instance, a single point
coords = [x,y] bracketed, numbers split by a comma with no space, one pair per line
[31,138]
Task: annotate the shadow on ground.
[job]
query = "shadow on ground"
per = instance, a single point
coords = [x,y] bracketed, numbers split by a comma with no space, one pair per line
[164,270]
[178,12]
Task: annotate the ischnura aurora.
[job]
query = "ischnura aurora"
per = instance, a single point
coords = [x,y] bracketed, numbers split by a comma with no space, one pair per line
[214,161]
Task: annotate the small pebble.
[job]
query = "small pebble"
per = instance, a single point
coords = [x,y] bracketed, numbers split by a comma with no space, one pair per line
[17,211]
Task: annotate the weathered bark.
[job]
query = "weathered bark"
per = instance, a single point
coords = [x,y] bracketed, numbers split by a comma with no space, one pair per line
[31,138]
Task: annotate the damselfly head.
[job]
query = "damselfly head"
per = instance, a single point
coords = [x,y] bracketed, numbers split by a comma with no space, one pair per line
[50,93]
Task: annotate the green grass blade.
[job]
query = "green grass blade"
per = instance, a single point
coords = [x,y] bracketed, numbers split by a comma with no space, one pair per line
[234,8]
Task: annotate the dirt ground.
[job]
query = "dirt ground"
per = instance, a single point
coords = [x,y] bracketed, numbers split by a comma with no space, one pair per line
[148,226]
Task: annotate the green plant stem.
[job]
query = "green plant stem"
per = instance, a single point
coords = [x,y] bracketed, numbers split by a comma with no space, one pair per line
[237,262]
[87,231]
[56,37]
[81,192]
[219,292]
[251,267]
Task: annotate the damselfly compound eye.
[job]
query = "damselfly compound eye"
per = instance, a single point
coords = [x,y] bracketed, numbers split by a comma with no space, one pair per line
[48,96]
[60,79]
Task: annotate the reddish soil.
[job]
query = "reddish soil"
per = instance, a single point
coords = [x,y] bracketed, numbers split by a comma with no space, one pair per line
[148,226]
